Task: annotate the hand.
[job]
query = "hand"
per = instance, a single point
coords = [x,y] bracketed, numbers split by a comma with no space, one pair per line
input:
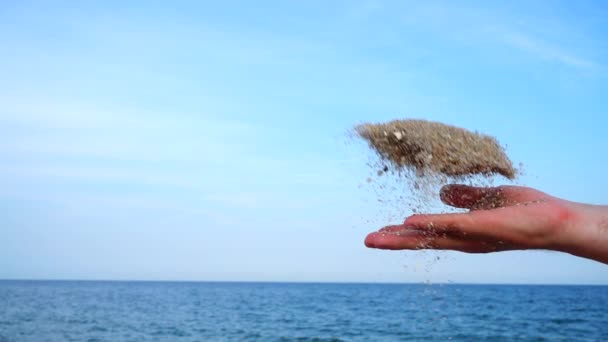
[502,218]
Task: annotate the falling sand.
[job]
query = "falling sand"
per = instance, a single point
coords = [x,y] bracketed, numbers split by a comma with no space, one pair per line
[424,156]
[433,147]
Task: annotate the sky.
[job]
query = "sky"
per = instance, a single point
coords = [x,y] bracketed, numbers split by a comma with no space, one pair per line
[209,141]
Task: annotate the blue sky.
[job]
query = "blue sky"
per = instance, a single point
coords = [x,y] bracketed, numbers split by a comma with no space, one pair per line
[206,140]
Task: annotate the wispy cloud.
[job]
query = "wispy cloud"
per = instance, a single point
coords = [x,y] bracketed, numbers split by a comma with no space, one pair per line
[548,38]
[547,51]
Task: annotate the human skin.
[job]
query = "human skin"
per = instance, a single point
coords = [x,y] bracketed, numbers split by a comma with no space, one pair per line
[500,219]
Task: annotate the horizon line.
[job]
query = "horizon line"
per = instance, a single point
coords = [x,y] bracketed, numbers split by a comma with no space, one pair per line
[448,283]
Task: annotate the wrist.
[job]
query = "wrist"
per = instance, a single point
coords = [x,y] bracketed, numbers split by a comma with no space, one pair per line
[586,234]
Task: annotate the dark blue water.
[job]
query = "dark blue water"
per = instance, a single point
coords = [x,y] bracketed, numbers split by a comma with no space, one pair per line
[164,311]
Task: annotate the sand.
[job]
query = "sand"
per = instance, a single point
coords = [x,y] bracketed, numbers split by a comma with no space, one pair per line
[435,148]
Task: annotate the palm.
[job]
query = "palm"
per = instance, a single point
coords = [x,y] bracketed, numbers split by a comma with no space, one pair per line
[502,218]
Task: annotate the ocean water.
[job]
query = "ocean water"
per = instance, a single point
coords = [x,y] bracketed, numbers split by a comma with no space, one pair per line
[200,311]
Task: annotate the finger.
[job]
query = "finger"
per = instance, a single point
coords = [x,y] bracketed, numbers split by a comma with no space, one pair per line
[415,240]
[483,223]
[423,231]
[462,196]
[397,228]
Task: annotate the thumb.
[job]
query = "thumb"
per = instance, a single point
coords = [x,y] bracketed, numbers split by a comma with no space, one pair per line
[470,197]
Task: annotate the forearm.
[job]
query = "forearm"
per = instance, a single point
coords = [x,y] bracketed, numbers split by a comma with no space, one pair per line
[587,235]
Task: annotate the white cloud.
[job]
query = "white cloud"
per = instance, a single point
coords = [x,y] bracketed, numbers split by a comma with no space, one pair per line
[546,51]
[486,25]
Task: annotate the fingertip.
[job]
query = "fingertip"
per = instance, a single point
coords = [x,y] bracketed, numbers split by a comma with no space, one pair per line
[447,192]
[456,194]
[456,186]
[370,239]
[450,187]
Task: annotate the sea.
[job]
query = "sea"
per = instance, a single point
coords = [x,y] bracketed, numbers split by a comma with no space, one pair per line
[40,311]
